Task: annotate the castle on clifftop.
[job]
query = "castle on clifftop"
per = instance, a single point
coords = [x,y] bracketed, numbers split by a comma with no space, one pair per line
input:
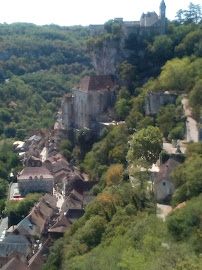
[148,22]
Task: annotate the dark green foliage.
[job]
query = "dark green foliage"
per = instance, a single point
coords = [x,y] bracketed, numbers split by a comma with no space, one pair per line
[170,121]
[123,107]
[162,48]
[3,188]
[164,156]
[145,146]
[112,149]
[17,210]
[195,99]
[183,223]
[187,179]
[39,64]
[21,134]
[55,259]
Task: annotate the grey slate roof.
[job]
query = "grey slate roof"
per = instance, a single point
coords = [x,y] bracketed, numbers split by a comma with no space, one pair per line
[14,242]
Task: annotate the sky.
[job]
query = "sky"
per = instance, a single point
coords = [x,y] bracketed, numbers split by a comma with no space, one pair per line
[83,12]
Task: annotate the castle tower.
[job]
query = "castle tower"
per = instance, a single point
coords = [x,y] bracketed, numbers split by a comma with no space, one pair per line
[162,10]
[162,17]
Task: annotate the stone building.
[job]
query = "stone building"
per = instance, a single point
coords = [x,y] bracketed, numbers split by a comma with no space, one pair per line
[148,22]
[164,186]
[155,100]
[89,103]
[35,179]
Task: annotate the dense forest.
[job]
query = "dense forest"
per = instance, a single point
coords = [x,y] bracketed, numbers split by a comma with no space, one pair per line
[38,65]
[120,229]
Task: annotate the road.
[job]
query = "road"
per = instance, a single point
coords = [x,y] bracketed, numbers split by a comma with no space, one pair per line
[13,189]
[44,154]
[3,226]
[163,210]
[191,125]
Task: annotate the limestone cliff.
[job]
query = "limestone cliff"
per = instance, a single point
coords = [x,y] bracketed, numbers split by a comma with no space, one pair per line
[106,58]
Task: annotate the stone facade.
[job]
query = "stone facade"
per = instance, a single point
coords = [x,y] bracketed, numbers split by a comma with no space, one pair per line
[164,187]
[35,179]
[148,22]
[89,102]
[155,100]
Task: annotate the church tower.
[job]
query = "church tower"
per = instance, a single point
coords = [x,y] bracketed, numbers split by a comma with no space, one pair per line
[162,17]
[162,11]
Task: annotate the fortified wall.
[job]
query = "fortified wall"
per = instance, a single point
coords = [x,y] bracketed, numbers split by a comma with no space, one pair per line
[155,100]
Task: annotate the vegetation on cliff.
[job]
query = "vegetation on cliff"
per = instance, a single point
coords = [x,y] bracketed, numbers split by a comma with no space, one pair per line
[120,229]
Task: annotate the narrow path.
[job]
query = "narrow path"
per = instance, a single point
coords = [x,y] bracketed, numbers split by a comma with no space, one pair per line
[192,133]
[44,154]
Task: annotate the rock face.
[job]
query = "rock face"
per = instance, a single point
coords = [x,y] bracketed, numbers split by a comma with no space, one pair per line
[113,51]
[106,58]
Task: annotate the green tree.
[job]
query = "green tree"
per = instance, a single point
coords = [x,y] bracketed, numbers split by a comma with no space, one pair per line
[166,119]
[162,48]
[3,188]
[145,146]
[123,107]
[187,180]
[10,132]
[21,134]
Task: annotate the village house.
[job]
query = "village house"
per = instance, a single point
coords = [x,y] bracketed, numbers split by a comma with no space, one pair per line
[164,186]
[61,225]
[16,264]
[22,241]
[35,179]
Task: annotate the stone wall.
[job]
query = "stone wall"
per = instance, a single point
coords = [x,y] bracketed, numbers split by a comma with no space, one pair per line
[35,184]
[155,100]
[87,108]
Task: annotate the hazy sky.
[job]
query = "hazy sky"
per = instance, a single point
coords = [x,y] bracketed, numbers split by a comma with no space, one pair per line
[83,12]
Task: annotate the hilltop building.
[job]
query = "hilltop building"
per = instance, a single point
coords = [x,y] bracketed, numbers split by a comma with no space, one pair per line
[89,103]
[149,22]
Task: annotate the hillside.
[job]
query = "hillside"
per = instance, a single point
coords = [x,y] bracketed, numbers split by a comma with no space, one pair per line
[121,228]
[38,66]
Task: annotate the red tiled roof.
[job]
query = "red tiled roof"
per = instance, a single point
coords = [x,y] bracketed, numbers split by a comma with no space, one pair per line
[179,206]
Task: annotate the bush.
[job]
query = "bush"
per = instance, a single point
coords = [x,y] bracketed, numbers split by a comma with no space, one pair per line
[176,133]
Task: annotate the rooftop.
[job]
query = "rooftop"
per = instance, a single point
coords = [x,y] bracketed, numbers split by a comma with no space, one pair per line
[96,83]
[38,172]
[166,169]
[14,263]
